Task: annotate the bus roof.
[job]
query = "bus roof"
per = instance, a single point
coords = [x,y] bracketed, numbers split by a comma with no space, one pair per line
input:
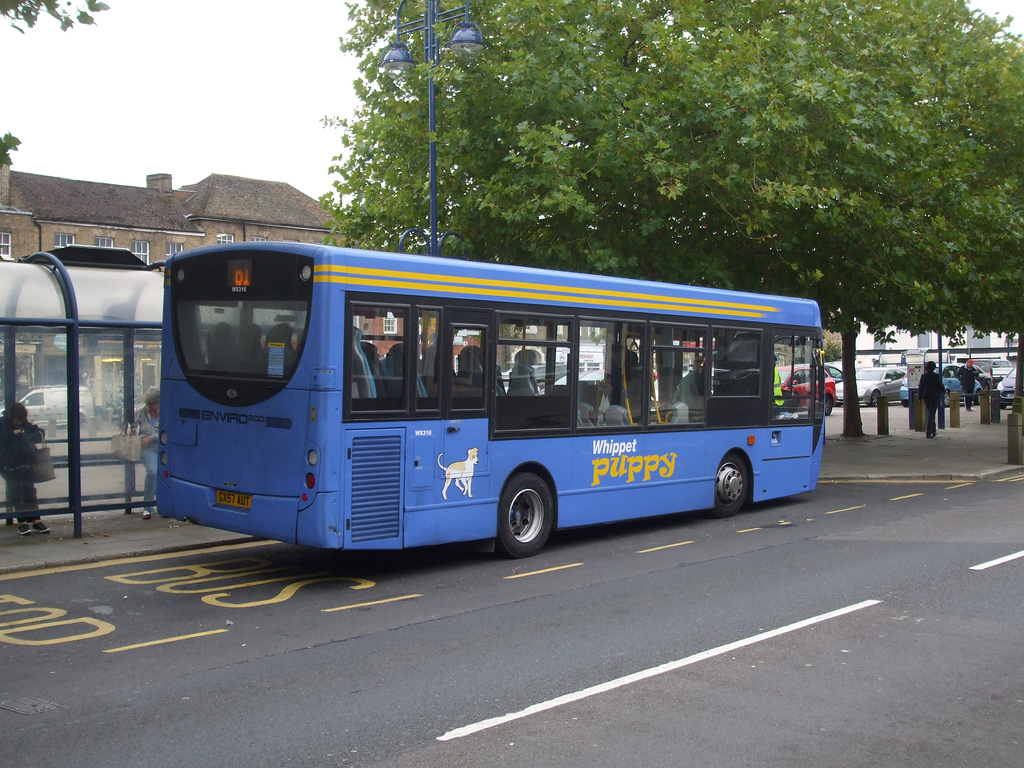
[407,274]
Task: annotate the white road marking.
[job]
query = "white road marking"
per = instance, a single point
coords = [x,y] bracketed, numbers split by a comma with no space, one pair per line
[997,561]
[671,666]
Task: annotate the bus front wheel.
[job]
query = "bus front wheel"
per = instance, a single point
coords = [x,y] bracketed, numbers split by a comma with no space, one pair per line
[525,515]
[732,482]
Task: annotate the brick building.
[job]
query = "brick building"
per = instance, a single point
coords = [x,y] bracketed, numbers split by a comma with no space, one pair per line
[38,213]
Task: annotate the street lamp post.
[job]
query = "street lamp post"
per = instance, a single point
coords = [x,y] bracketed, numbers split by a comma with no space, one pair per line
[397,60]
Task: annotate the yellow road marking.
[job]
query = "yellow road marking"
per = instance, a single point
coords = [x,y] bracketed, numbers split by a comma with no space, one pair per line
[136,559]
[908,496]
[546,570]
[847,509]
[748,530]
[165,640]
[1014,479]
[961,485]
[666,546]
[367,605]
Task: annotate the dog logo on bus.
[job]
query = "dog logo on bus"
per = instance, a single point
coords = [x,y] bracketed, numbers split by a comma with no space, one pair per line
[461,472]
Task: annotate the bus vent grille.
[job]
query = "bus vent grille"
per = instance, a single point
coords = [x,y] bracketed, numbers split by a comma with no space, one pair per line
[376,487]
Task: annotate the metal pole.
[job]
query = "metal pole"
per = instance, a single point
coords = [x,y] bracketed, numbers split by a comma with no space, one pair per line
[433,54]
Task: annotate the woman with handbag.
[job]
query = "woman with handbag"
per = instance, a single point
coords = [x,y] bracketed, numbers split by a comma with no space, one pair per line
[147,425]
[18,445]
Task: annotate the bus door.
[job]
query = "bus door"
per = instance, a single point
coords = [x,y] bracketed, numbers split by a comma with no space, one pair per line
[469,379]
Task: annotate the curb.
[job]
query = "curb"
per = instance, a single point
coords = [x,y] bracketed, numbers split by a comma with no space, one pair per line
[97,557]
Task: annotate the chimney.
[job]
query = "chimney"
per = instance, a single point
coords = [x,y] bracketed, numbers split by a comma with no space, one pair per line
[5,185]
[161,182]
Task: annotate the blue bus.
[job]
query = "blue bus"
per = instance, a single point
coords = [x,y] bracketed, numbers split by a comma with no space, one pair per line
[347,399]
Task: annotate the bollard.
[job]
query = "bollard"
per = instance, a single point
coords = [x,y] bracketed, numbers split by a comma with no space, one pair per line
[954,409]
[1018,405]
[1014,439]
[995,407]
[920,414]
[983,405]
[882,412]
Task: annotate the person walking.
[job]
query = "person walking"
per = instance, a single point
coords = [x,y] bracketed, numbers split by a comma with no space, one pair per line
[930,392]
[967,375]
[147,421]
[18,440]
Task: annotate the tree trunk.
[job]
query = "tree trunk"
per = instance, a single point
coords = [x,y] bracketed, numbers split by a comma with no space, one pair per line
[852,424]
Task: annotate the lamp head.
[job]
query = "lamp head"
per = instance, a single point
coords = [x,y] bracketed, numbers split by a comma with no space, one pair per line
[466,38]
[397,59]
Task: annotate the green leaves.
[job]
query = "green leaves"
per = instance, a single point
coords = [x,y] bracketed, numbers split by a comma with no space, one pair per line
[866,156]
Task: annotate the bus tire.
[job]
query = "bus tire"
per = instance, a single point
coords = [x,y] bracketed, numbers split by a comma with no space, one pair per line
[526,513]
[732,484]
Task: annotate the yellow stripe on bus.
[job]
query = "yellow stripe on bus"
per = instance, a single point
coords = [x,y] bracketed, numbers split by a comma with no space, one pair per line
[375,278]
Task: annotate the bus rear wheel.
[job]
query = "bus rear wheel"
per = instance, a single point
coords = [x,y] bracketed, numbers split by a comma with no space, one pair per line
[525,515]
[732,482]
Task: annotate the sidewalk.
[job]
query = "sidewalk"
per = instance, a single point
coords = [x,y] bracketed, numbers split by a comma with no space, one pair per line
[972,452]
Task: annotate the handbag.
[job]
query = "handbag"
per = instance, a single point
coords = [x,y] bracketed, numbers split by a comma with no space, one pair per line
[42,465]
[127,444]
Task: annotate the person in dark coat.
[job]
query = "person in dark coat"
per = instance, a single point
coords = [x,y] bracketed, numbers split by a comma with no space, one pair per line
[930,392]
[967,375]
[18,440]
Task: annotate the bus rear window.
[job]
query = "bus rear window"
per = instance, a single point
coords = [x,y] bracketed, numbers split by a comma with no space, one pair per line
[249,338]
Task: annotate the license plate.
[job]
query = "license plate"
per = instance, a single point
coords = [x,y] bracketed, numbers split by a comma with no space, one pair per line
[232,499]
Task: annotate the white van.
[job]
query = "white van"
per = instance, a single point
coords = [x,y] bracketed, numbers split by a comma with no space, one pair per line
[49,406]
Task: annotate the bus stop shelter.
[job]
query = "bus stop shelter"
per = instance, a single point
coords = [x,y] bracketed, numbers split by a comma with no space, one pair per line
[79,346]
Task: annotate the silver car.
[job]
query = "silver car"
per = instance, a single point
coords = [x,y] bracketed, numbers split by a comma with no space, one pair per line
[875,382]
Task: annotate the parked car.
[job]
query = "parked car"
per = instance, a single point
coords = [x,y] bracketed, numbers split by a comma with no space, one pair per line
[949,382]
[873,383]
[835,370]
[797,381]
[49,405]
[1007,388]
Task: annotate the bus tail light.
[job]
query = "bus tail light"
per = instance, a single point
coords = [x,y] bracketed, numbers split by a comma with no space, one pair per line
[310,480]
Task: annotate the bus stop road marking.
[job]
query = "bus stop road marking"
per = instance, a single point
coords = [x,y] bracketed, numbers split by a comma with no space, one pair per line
[367,605]
[748,530]
[665,546]
[908,496]
[546,570]
[135,559]
[164,640]
[468,730]
[959,485]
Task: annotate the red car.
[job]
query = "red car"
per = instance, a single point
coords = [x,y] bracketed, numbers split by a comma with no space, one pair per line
[797,381]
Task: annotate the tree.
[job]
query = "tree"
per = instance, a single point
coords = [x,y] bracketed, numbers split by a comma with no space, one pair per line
[27,12]
[852,152]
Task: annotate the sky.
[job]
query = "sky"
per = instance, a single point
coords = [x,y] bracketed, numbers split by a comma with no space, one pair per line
[194,87]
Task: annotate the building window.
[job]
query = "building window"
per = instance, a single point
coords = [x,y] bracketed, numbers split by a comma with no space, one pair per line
[259,239]
[5,245]
[222,239]
[62,240]
[173,248]
[141,249]
[103,242]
